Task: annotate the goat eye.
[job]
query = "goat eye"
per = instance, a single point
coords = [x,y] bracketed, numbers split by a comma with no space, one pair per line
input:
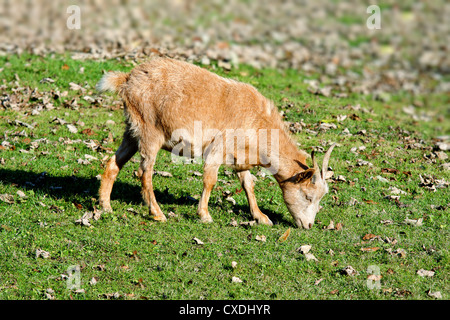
[309,198]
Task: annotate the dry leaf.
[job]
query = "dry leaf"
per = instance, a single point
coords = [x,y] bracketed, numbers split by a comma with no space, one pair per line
[425,273]
[42,253]
[310,256]
[349,271]
[84,221]
[374,277]
[236,280]
[370,237]
[197,241]
[8,198]
[318,281]
[304,249]
[163,174]
[370,249]
[285,235]
[72,128]
[233,222]
[261,238]
[21,194]
[414,222]
[247,223]
[330,226]
[436,294]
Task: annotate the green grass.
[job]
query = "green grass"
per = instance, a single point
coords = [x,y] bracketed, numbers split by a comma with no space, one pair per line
[130,254]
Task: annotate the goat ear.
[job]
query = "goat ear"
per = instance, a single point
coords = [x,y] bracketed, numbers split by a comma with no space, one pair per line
[304,175]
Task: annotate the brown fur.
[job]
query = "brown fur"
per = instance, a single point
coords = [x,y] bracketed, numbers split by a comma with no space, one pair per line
[165,95]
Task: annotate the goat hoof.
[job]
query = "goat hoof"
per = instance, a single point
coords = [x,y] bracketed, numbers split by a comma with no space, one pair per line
[160,218]
[105,209]
[265,220]
[206,219]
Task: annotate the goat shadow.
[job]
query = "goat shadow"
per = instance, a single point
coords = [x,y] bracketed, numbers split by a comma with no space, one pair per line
[81,190]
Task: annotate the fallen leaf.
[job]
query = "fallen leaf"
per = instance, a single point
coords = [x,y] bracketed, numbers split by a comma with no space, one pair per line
[261,238]
[425,273]
[370,249]
[248,223]
[85,219]
[72,128]
[230,200]
[88,132]
[163,174]
[349,271]
[49,294]
[233,222]
[330,225]
[436,294]
[47,80]
[395,190]
[370,236]
[374,277]
[400,252]
[8,198]
[42,253]
[197,241]
[304,249]
[93,281]
[318,281]
[236,280]
[390,170]
[310,256]
[114,295]
[414,222]
[402,293]
[233,264]
[285,235]
[335,291]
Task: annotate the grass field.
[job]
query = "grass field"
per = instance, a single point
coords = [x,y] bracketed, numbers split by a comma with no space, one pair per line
[56,136]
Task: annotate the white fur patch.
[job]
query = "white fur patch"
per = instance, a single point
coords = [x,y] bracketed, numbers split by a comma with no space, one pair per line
[108,82]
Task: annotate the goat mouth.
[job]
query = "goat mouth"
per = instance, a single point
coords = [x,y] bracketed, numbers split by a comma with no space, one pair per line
[302,225]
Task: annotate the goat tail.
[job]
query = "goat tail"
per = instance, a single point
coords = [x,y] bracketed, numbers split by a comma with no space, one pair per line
[112,81]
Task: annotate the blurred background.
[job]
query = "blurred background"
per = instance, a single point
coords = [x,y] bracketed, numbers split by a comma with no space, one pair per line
[411,51]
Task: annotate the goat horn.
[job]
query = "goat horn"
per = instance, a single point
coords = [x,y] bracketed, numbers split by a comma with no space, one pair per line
[316,168]
[315,165]
[326,159]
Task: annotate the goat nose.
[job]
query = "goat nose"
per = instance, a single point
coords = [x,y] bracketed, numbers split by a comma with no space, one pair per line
[309,225]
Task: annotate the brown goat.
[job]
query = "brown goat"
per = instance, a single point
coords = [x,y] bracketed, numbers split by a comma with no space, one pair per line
[182,108]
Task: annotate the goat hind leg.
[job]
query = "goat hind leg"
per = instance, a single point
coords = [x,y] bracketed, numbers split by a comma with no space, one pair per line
[126,150]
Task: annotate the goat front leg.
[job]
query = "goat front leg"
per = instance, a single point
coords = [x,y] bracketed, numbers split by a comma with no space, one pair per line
[147,163]
[209,181]
[126,150]
[248,185]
